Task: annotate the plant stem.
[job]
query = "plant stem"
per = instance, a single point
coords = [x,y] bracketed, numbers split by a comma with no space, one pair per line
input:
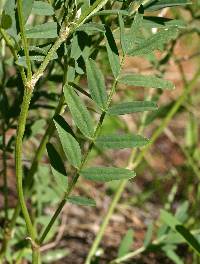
[10,44]
[143,248]
[18,158]
[105,222]
[77,175]
[24,39]
[123,183]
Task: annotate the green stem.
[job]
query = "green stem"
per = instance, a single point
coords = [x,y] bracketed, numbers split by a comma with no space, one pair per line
[77,175]
[122,184]
[10,44]
[18,159]
[5,175]
[105,222]
[23,37]
[143,248]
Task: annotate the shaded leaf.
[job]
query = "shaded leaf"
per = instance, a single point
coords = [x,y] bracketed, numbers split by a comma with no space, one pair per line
[57,166]
[70,145]
[106,174]
[189,238]
[159,4]
[113,54]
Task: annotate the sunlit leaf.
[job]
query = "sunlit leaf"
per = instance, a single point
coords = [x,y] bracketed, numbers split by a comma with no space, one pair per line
[106,174]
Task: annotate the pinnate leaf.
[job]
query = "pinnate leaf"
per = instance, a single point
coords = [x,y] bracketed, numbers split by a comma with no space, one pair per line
[126,243]
[155,42]
[46,30]
[113,54]
[80,114]
[70,145]
[121,141]
[57,166]
[78,200]
[96,84]
[106,174]
[159,4]
[132,107]
[146,81]
[42,8]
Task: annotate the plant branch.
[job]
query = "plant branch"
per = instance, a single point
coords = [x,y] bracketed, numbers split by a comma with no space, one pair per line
[24,39]
[77,175]
[132,165]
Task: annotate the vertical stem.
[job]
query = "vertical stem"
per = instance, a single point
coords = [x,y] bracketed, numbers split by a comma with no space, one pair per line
[106,220]
[23,37]
[122,184]
[18,158]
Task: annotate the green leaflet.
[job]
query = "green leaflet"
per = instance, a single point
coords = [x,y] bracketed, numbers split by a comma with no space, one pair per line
[172,221]
[148,235]
[79,112]
[42,8]
[106,174]
[126,243]
[81,201]
[161,22]
[70,145]
[57,166]
[8,20]
[121,141]
[155,42]
[27,7]
[92,27]
[133,35]
[113,54]
[96,84]
[159,4]
[46,30]
[122,34]
[132,107]
[146,81]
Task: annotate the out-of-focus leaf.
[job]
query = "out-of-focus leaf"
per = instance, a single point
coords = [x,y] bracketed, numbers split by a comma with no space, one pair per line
[27,7]
[42,8]
[126,243]
[148,235]
[54,255]
[78,200]
[159,4]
